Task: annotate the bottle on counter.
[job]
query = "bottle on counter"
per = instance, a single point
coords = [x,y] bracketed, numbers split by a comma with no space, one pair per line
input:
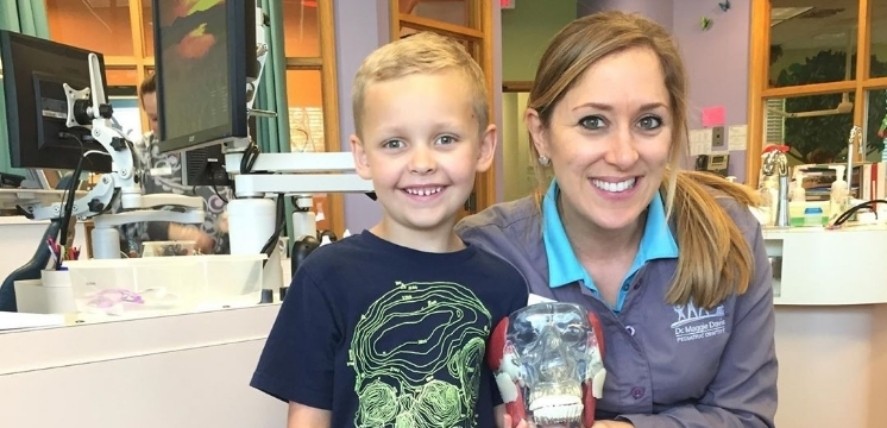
[839,196]
[769,197]
[813,216]
[798,201]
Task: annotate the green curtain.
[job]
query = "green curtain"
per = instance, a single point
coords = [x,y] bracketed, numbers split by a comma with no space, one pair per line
[274,133]
[26,17]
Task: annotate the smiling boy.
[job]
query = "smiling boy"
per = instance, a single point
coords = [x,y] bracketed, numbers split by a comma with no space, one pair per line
[389,327]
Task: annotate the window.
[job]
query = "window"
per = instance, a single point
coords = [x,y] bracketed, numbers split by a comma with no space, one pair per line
[311,91]
[122,30]
[819,69]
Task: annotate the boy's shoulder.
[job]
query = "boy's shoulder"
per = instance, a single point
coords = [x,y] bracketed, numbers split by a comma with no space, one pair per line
[501,272]
[339,253]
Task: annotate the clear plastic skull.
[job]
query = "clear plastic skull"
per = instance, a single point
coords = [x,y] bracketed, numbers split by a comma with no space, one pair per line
[551,367]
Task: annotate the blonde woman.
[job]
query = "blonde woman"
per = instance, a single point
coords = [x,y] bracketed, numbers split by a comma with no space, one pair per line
[672,262]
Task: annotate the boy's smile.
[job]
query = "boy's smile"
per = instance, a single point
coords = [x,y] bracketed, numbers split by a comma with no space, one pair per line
[422,147]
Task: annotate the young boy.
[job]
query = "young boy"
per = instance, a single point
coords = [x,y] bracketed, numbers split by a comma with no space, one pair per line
[388,328]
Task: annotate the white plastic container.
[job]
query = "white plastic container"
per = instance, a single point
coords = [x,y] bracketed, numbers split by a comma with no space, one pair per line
[163,285]
[839,197]
[231,281]
[798,202]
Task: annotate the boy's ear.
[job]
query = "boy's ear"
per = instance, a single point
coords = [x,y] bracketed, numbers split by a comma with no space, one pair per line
[537,132]
[487,148]
[361,164]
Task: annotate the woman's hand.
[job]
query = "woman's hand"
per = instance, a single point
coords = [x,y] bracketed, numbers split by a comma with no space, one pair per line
[506,423]
[611,424]
[202,242]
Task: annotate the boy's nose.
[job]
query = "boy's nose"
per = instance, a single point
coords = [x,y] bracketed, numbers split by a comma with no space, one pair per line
[422,161]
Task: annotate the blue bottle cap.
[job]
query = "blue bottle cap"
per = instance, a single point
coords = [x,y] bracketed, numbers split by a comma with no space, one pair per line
[812,210]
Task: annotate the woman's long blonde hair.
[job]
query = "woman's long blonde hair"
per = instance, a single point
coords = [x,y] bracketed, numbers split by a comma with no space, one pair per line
[715,259]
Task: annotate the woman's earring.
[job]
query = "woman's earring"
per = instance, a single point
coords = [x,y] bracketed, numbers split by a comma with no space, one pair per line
[544,160]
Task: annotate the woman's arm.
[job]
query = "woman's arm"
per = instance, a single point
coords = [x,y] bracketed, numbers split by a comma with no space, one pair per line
[743,392]
[181,232]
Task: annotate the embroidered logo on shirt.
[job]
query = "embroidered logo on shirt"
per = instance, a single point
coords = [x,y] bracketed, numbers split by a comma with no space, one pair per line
[697,323]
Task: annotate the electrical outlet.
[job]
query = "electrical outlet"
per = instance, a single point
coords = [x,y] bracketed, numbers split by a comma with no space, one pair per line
[717,138]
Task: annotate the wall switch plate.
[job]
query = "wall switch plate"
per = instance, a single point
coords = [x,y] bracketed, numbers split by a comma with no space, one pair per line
[717,138]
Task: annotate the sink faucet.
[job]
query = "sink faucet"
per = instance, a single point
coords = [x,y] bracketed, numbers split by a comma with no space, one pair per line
[776,164]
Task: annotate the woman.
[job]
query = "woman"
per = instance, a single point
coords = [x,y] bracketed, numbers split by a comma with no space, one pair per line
[672,262]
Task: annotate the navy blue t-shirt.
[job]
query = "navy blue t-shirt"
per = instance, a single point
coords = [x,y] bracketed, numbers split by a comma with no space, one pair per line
[385,335]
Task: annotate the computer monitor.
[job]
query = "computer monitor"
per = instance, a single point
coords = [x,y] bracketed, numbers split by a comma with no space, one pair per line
[34,70]
[204,55]
[204,167]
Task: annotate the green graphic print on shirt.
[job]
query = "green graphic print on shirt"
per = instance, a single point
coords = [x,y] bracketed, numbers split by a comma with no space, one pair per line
[417,354]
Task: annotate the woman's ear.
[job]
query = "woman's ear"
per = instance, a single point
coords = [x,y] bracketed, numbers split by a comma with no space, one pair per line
[538,135]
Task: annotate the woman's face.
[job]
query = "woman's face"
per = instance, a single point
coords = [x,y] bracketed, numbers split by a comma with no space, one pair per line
[608,140]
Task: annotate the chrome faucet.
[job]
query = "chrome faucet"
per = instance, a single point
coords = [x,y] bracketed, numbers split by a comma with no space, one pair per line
[776,164]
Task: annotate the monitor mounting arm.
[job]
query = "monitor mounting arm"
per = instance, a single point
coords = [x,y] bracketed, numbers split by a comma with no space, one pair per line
[252,213]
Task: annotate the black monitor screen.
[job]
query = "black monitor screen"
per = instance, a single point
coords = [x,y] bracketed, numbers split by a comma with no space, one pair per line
[202,49]
[34,71]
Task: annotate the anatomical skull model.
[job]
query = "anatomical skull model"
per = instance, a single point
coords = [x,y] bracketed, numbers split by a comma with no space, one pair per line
[548,361]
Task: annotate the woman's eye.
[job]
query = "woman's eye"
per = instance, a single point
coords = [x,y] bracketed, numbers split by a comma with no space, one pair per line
[446,139]
[650,122]
[393,144]
[591,122]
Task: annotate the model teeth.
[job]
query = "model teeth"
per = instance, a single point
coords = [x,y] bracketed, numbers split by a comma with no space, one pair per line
[620,186]
[426,191]
[556,409]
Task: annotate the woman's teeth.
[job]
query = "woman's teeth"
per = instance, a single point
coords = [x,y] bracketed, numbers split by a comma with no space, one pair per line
[424,191]
[616,187]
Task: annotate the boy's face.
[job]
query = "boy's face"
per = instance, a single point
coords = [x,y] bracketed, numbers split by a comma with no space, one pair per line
[422,146]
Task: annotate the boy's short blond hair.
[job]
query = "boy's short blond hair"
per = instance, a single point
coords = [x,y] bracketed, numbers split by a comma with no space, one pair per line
[419,53]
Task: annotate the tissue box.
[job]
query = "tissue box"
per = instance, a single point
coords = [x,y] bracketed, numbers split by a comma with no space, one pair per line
[161,285]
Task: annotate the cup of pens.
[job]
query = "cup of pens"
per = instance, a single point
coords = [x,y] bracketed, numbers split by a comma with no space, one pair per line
[58,254]
[57,295]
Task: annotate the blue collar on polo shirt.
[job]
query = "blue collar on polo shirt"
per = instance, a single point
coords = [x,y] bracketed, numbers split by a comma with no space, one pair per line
[564,268]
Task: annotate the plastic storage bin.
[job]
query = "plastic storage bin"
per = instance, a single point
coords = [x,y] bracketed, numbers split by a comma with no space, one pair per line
[160,285]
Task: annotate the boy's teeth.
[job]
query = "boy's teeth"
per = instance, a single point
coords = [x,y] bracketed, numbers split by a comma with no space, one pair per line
[614,187]
[423,191]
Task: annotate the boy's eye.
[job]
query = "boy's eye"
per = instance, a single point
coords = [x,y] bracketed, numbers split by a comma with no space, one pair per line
[393,144]
[591,122]
[446,139]
[650,122]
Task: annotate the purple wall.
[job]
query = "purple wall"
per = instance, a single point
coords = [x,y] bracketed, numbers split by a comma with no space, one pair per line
[660,10]
[360,28]
[717,62]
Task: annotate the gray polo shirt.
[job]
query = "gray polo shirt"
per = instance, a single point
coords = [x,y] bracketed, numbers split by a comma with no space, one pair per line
[667,366]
